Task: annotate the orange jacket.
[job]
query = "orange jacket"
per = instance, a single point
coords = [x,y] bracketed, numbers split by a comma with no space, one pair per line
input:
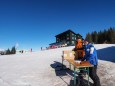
[79,44]
[79,49]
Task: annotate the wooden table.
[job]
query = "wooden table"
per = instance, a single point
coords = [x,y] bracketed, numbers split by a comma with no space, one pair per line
[83,64]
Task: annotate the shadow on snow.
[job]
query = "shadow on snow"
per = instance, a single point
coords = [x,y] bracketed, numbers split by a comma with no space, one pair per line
[65,72]
[107,54]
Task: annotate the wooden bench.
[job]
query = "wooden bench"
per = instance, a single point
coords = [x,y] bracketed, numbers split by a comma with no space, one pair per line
[68,54]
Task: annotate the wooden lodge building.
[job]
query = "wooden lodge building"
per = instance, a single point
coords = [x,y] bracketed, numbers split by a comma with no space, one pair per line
[68,37]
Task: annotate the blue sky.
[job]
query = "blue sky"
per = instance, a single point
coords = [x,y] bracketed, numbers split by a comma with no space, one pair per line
[34,23]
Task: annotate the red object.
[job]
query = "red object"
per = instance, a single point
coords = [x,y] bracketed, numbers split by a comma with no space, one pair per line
[53,47]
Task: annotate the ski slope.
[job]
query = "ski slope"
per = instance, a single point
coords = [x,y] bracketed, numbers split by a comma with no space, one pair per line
[36,68]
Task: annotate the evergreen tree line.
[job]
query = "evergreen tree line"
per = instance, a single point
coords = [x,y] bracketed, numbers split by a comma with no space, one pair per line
[12,51]
[105,36]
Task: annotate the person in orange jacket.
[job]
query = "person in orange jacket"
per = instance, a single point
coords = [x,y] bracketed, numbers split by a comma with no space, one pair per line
[79,50]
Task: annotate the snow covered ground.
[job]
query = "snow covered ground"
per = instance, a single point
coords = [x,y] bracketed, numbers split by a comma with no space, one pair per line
[37,68]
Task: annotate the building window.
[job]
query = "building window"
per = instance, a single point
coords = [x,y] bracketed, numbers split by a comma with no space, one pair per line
[73,38]
[67,42]
[67,38]
[73,42]
[67,34]
[77,36]
[58,40]
[72,34]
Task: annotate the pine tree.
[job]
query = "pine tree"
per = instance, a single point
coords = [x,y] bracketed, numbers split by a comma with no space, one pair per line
[92,36]
[105,36]
[8,51]
[113,35]
[88,36]
[13,51]
[95,37]
[99,37]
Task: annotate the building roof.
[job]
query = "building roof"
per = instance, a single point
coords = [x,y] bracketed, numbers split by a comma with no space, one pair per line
[67,31]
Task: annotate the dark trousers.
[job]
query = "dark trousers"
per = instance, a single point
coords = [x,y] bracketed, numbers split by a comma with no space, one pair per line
[93,76]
